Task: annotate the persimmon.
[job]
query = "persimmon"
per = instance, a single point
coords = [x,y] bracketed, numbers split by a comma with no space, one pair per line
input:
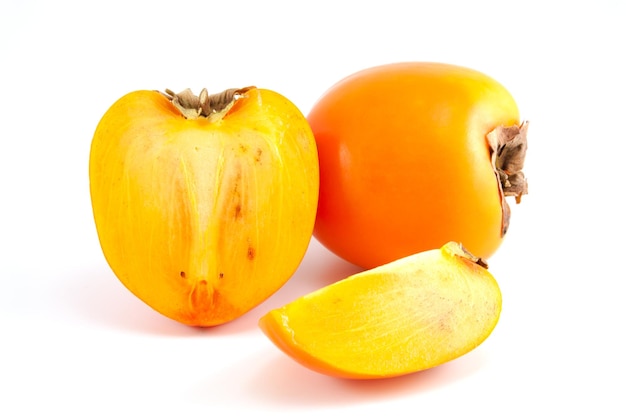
[204,205]
[413,155]
[412,314]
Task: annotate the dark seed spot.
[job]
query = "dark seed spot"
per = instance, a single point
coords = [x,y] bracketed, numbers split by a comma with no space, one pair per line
[182,274]
[238,211]
[251,253]
[221,275]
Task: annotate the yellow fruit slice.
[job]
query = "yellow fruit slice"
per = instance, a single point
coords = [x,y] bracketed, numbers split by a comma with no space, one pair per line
[409,315]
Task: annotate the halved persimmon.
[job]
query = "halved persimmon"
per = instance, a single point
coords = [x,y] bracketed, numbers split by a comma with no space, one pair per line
[413,155]
[204,205]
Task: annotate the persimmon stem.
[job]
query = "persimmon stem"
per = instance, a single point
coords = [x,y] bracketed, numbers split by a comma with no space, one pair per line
[508,151]
[458,249]
[204,104]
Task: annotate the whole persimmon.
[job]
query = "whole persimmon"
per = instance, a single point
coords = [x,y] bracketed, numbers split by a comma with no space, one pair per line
[413,155]
[204,205]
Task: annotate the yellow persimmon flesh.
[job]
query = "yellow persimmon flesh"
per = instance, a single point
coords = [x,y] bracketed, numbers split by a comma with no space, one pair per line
[409,315]
[203,212]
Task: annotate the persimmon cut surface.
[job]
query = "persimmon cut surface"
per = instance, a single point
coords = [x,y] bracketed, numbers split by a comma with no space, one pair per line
[413,155]
[204,205]
[412,314]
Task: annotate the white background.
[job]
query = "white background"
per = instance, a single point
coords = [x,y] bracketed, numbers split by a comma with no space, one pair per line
[73,340]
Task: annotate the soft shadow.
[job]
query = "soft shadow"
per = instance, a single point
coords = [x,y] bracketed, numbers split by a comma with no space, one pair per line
[289,384]
[280,383]
[97,296]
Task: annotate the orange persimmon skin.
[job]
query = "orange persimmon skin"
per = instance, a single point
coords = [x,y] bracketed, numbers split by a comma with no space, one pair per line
[405,165]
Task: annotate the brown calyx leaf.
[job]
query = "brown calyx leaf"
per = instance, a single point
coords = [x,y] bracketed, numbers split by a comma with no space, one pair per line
[508,151]
[204,104]
[474,258]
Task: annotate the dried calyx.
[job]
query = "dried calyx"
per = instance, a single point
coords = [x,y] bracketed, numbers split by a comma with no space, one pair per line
[508,150]
[459,250]
[204,104]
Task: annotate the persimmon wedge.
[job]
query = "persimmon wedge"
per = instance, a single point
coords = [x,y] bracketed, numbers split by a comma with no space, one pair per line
[412,314]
